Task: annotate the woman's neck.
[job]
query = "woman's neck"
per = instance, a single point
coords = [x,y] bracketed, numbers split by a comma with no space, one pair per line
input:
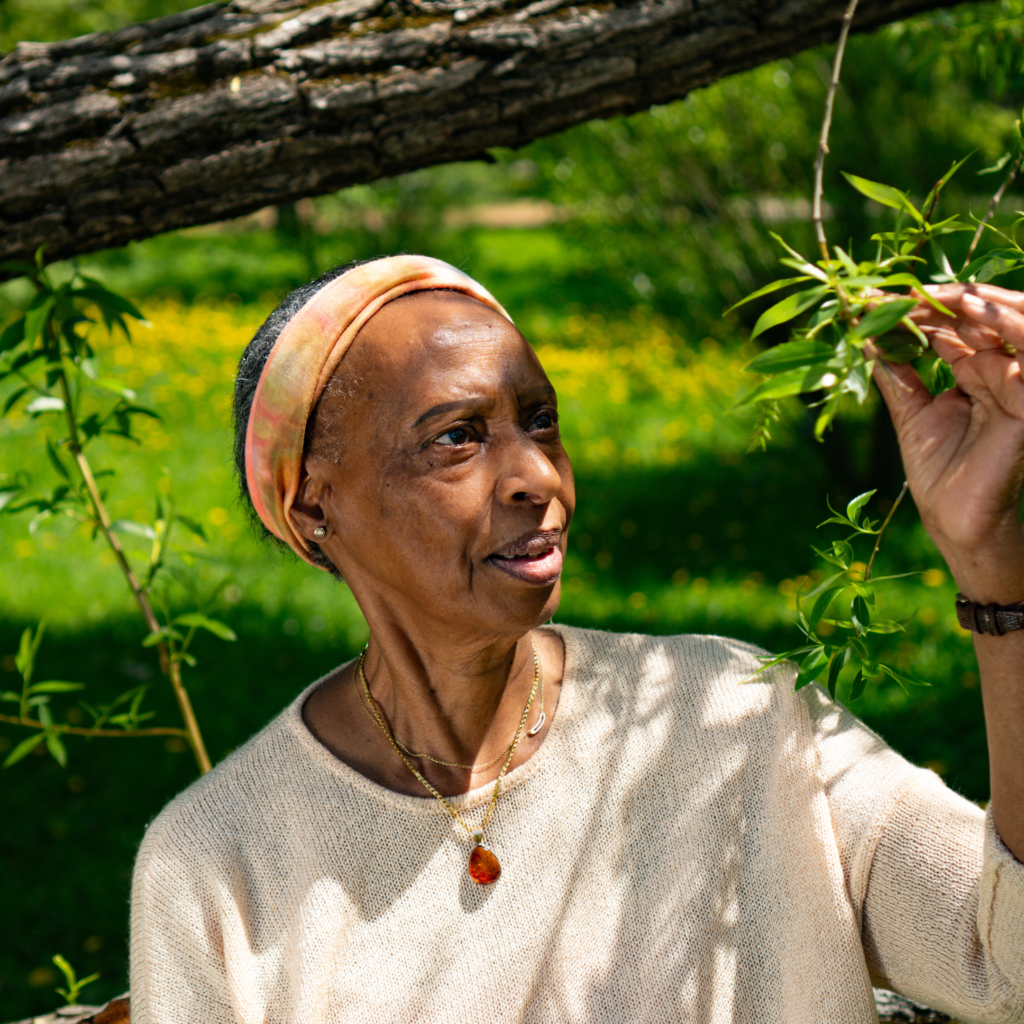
[455,703]
[459,703]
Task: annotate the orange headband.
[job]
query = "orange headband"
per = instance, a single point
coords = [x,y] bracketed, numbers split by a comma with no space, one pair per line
[300,364]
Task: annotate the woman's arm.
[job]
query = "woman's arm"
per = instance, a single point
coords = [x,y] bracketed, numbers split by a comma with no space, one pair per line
[963,452]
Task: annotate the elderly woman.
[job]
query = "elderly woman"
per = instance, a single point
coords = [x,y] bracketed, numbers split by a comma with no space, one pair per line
[487,817]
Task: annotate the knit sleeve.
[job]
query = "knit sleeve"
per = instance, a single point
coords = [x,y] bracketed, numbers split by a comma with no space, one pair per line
[177,958]
[939,896]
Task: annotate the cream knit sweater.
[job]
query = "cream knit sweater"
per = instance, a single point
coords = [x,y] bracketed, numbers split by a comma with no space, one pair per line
[681,848]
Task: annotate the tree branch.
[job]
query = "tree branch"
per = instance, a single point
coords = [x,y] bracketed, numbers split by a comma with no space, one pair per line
[826,127]
[221,110]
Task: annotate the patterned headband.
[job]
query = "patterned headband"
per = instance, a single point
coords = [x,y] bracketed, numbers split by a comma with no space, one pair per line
[300,364]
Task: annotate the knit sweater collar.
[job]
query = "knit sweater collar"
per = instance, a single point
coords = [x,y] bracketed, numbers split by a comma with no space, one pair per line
[325,761]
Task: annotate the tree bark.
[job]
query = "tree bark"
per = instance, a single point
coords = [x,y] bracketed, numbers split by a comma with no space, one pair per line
[220,110]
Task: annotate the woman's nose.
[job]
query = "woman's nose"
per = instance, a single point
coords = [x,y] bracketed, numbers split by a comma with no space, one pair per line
[528,477]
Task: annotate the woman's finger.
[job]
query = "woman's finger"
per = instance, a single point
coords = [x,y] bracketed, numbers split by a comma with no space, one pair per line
[1004,321]
[994,379]
[903,391]
[946,293]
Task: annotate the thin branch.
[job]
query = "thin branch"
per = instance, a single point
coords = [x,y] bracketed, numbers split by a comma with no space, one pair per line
[990,212]
[826,127]
[878,541]
[81,730]
[170,667]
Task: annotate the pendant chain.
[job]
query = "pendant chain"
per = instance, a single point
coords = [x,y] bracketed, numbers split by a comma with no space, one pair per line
[493,760]
[475,834]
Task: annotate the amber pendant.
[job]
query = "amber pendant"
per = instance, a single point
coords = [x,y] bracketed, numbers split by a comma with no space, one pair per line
[483,865]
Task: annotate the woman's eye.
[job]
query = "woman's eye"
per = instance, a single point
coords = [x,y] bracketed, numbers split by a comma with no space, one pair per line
[454,437]
[545,421]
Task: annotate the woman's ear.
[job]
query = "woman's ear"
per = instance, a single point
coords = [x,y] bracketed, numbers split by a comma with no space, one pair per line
[307,511]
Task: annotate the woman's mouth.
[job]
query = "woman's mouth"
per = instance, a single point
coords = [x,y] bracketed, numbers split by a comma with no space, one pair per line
[535,559]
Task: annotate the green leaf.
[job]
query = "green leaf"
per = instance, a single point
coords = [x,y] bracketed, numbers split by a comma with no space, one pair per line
[56,748]
[824,584]
[883,317]
[860,613]
[790,307]
[103,297]
[834,668]
[979,262]
[791,355]
[158,635]
[196,620]
[997,166]
[833,557]
[854,507]
[767,290]
[792,382]
[810,667]
[45,403]
[805,268]
[886,626]
[14,334]
[36,316]
[12,399]
[848,265]
[899,348]
[115,386]
[944,180]
[994,267]
[192,526]
[865,281]
[130,526]
[857,382]
[23,749]
[55,460]
[25,659]
[905,679]
[140,410]
[821,605]
[55,686]
[884,194]
[859,683]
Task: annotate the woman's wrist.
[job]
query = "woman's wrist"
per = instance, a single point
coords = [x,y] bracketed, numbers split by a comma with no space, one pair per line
[993,574]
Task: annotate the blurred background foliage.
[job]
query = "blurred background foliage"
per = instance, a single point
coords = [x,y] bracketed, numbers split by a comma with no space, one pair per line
[616,246]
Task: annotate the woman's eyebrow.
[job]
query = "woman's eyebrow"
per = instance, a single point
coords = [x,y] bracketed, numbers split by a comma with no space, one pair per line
[540,391]
[440,410]
[531,394]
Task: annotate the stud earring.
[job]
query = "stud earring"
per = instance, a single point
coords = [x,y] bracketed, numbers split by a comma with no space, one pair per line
[320,532]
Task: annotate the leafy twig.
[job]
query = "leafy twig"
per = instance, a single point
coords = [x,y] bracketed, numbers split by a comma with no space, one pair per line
[826,126]
[989,213]
[81,730]
[169,664]
[878,540]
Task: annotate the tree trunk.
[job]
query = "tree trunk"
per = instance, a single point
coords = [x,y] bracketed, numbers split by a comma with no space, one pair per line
[226,108]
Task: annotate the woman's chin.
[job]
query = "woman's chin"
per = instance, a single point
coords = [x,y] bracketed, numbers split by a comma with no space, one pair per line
[543,570]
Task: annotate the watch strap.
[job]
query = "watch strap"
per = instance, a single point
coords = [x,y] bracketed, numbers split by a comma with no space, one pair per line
[994,619]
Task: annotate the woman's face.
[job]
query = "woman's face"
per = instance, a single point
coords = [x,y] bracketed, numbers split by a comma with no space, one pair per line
[439,471]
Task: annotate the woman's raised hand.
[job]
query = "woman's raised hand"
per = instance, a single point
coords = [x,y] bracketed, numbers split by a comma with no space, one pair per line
[963,450]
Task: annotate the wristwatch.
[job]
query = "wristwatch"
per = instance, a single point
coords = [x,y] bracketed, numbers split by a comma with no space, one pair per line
[994,619]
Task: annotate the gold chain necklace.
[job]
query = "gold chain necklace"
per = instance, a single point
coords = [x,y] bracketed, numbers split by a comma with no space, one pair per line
[537,726]
[484,867]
